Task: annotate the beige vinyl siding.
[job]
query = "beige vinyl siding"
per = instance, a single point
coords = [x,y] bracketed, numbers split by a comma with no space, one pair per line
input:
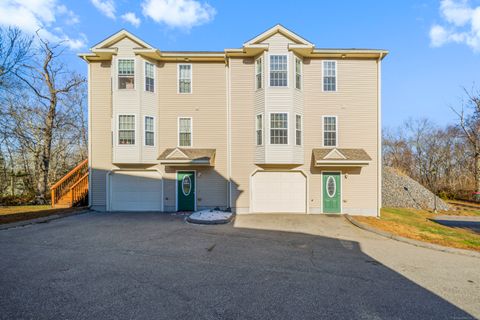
[207,107]
[355,105]
[259,106]
[100,131]
[242,132]
[282,100]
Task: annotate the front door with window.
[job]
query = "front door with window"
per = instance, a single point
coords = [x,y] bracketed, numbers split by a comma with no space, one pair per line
[331,192]
[186,191]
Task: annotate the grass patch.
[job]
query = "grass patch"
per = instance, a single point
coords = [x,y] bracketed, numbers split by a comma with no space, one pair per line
[415,224]
[22,209]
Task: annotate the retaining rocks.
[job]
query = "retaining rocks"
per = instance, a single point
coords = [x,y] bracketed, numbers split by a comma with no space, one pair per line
[401,191]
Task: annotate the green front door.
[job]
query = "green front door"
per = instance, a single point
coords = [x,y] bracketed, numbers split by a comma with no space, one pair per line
[331,192]
[186,191]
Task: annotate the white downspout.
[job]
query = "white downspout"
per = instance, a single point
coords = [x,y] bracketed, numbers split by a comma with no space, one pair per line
[229,140]
[379,134]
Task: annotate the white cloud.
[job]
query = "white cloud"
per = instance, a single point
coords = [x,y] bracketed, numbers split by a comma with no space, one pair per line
[40,16]
[461,25]
[178,13]
[107,7]
[131,18]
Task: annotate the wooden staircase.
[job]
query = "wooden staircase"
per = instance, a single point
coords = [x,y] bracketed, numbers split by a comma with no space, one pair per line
[72,189]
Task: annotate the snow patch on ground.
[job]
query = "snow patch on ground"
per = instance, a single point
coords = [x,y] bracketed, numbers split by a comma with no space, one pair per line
[210,215]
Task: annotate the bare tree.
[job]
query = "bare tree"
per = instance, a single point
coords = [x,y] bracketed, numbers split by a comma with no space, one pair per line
[49,82]
[14,51]
[469,123]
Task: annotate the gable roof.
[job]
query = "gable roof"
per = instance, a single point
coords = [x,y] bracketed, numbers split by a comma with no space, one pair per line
[120,35]
[278,28]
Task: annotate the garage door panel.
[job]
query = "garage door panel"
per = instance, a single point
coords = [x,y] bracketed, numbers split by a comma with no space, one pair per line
[279,192]
[136,191]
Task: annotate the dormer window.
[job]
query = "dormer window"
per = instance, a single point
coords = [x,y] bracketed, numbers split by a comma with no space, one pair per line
[278,71]
[126,74]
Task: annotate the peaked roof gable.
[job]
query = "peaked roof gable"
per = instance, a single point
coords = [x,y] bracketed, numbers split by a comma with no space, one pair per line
[334,154]
[278,29]
[120,35]
[176,153]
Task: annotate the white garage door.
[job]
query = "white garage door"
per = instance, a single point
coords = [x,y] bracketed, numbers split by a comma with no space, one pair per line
[279,192]
[135,191]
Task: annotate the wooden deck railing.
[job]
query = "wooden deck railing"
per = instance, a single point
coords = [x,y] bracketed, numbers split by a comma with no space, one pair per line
[64,185]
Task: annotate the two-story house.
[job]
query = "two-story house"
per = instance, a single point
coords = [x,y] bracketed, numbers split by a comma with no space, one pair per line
[277,125]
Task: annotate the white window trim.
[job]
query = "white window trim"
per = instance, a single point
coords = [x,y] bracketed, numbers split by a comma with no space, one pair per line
[301,74]
[145,76]
[117,136]
[134,75]
[262,73]
[145,131]
[301,131]
[270,129]
[288,71]
[336,75]
[263,130]
[178,78]
[323,131]
[178,132]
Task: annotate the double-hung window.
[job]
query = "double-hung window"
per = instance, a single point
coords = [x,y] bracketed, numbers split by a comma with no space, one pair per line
[259,129]
[259,73]
[298,73]
[330,131]
[126,74]
[278,71]
[184,78]
[298,130]
[149,77]
[279,128]
[126,129]
[185,132]
[149,131]
[329,75]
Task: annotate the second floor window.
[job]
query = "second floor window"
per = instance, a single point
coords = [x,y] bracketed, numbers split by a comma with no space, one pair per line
[298,130]
[329,76]
[329,131]
[298,73]
[279,128]
[278,71]
[259,129]
[185,132]
[184,78]
[259,73]
[126,129]
[149,77]
[149,131]
[126,74]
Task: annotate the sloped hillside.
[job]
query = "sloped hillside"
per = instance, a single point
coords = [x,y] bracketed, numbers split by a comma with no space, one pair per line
[401,191]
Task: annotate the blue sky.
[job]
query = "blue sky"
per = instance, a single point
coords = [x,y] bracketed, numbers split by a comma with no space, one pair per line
[434,45]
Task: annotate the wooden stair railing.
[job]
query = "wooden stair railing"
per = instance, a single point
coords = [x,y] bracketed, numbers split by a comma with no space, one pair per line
[64,187]
[80,189]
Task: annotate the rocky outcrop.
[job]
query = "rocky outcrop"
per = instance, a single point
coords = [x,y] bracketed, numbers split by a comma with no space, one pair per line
[401,191]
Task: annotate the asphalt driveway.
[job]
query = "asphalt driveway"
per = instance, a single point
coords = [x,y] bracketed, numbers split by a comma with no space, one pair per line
[155,266]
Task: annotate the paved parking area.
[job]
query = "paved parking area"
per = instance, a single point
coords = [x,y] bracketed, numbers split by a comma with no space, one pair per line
[155,266]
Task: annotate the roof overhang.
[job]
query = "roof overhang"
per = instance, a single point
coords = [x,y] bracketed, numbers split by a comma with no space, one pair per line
[336,157]
[187,157]
[310,52]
